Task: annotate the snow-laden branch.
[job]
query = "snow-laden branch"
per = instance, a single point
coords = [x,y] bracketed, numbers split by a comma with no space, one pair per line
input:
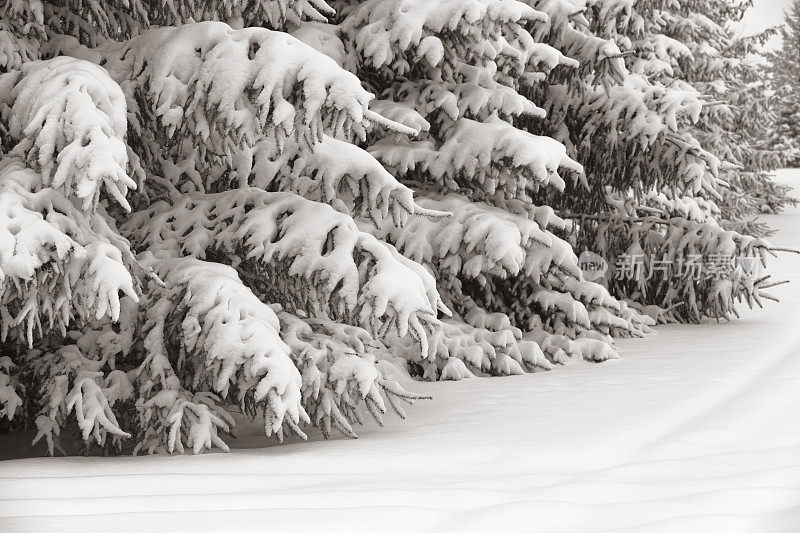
[302,254]
[341,174]
[388,32]
[228,88]
[464,348]
[223,339]
[68,118]
[249,12]
[173,417]
[57,262]
[484,158]
[480,239]
[446,102]
[340,377]
[10,401]
[74,383]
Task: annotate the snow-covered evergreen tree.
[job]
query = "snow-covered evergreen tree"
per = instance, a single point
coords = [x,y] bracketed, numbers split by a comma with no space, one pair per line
[749,118]
[662,165]
[275,206]
[784,80]
[725,69]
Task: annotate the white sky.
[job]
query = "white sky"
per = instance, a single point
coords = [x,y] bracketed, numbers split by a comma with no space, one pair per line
[764,14]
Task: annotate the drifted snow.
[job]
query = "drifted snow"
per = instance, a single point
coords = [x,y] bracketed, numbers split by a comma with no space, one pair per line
[694,428]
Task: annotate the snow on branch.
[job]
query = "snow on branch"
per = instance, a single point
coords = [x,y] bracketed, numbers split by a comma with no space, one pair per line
[228,89]
[390,32]
[446,102]
[171,416]
[58,264]
[340,377]
[250,12]
[659,55]
[68,118]
[499,349]
[482,342]
[76,384]
[402,112]
[93,20]
[524,270]
[221,338]
[484,158]
[566,29]
[480,239]
[301,254]
[15,49]
[343,175]
[565,305]
[646,118]
[9,387]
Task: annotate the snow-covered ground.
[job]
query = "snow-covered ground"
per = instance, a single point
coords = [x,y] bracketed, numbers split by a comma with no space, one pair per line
[696,427]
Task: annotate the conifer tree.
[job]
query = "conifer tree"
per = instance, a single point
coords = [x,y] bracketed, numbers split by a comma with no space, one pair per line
[724,68]
[655,200]
[271,207]
[784,80]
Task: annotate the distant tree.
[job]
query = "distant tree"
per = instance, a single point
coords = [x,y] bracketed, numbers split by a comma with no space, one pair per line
[665,153]
[785,82]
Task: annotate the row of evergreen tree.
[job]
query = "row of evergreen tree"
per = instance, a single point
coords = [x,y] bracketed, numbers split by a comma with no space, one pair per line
[783,82]
[276,207]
